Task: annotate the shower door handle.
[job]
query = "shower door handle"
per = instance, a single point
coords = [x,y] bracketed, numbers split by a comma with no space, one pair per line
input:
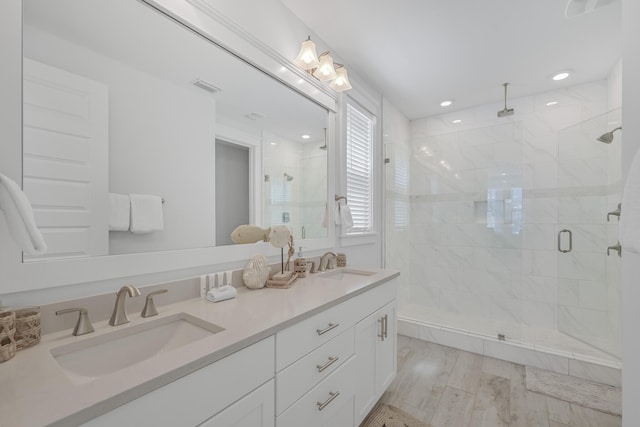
[560,240]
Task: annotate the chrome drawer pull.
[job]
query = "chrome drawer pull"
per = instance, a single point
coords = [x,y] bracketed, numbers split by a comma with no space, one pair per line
[328,328]
[382,328]
[386,325]
[330,362]
[332,396]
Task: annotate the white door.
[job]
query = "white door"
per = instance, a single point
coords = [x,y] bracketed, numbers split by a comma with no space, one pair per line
[65,151]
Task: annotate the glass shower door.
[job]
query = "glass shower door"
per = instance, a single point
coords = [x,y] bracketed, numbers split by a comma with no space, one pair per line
[589,191]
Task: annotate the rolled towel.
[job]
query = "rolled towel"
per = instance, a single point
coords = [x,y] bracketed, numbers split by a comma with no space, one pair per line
[346,217]
[19,217]
[119,212]
[146,213]
[629,227]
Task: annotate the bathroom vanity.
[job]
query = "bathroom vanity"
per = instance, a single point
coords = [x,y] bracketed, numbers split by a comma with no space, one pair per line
[318,354]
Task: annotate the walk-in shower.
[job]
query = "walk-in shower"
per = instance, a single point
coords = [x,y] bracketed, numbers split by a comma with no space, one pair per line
[479,220]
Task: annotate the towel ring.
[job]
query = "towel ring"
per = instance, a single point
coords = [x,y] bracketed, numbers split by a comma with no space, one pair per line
[338,198]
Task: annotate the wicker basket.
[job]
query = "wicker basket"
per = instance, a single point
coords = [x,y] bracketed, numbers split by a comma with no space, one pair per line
[7,332]
[27,327]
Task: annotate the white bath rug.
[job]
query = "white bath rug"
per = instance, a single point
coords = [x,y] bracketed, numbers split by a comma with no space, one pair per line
[601,397]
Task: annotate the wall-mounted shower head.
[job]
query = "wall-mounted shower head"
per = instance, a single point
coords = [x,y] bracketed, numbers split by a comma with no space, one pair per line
[607,137]
[288,177]
[507,111]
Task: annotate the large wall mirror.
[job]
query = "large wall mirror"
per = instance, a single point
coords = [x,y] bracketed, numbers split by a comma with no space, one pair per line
[121,100]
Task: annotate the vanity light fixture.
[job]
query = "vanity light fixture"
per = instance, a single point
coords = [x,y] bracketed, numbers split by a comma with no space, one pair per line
[322,67]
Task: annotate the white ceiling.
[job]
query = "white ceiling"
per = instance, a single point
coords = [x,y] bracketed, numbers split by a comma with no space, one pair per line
[420,52]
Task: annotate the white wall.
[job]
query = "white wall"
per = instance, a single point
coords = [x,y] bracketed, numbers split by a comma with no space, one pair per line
[631,262]
[156,126]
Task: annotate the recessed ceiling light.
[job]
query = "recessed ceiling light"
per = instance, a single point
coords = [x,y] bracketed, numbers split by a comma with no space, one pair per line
[446,102]
[550,103]
[305,136]
[561,75]
[456,121]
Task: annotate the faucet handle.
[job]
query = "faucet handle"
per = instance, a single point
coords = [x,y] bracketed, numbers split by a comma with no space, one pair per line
[83,325]
[149,309]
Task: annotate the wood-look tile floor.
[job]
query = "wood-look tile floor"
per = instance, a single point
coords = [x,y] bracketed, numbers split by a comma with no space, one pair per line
[446,387]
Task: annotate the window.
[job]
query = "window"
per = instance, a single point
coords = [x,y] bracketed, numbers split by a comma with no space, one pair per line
[359,171]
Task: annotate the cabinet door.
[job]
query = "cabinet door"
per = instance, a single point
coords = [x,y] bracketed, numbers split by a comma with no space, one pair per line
[375,357]
[386,353]
[254,410]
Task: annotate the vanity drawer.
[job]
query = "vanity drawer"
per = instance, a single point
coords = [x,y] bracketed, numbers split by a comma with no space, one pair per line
[298,340]
[296,379]
[331,398]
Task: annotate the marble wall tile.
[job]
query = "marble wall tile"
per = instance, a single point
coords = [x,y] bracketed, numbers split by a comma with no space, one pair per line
[540,289]
[593,295]
[594,372]
[544,263]
[582,266]
[526,356]
[568,292]
[539,314]
[582,322]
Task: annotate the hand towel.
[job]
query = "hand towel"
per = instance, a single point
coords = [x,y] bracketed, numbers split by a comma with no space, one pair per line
[119,212]
[629,227]
[19,217]
[146,213]
[345,217]
[338,215]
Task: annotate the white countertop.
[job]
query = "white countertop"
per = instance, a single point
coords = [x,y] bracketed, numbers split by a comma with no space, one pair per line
[35,391]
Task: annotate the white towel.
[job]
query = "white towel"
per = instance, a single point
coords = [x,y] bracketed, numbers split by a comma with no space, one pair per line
[119,212]
[629,227]
[146,213]
[345,217]
[19,217]
[337,215]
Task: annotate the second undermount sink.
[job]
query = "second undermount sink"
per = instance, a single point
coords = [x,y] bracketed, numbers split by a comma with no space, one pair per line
[94,357]
[346,274]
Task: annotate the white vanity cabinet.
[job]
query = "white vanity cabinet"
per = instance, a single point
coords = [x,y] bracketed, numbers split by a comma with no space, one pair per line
[321,361]
[193,399]
[376,345]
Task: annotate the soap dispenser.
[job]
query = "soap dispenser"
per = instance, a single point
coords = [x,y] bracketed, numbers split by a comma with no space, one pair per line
[300,264]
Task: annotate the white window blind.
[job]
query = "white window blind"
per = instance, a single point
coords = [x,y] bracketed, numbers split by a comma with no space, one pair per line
[360,168]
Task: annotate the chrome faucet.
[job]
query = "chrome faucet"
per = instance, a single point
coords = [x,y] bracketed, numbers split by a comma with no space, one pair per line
[119,316]
[325,261]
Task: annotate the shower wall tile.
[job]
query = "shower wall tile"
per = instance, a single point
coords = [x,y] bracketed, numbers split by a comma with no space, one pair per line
[539,314]
[582,322]
[540,289]
[545,263]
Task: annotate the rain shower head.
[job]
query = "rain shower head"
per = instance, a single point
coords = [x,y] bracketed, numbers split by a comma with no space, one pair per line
[607,137]
[507,111]
[288,177]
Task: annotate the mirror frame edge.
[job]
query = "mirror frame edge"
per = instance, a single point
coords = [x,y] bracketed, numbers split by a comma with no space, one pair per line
[21,277]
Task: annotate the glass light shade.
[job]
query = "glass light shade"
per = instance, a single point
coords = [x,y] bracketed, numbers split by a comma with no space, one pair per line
[341,82]
[307,58]
[325,70]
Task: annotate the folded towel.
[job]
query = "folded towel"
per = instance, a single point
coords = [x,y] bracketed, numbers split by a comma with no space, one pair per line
[19,217]
[146,213]
[119,212]
[345,217]
[629,227]
[222,293]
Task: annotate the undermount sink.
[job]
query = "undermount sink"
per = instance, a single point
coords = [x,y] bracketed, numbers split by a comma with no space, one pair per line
[94,357]
[346,273]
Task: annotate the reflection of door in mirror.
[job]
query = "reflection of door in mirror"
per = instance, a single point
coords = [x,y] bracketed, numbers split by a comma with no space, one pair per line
[232,189]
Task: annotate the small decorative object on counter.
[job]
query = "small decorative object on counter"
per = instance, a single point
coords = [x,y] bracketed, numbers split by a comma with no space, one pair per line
[300,264]
[7,333]
[27,327]
[341,260]
[284,282]
[256,272]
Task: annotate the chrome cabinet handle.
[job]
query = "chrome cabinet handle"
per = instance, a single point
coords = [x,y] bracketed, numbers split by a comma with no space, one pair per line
[570,240]
[330,362]
[332,396]
[328,328]
[383,333]
[386,325]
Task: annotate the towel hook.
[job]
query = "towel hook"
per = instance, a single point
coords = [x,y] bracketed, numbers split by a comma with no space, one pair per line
[338,198]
